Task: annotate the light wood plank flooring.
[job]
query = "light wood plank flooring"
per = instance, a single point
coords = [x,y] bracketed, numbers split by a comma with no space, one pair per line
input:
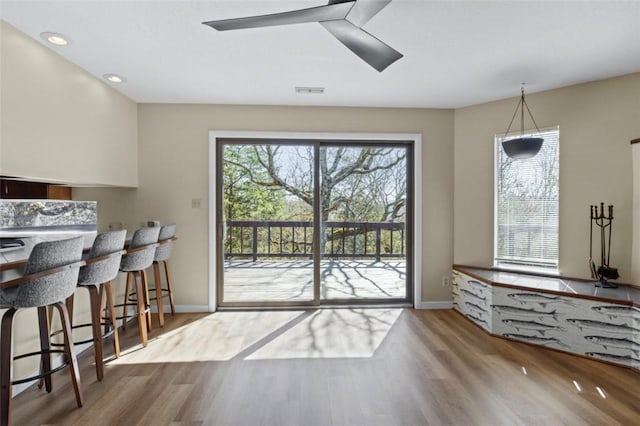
[336,367]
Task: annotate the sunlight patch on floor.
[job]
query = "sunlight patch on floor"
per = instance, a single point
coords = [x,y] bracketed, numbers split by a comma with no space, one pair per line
[254,335]
[332,333]
[216,337]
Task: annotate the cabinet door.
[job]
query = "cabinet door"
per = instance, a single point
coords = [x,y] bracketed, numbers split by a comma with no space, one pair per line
[472,298]
[21,190]
[16,189]
[58,192]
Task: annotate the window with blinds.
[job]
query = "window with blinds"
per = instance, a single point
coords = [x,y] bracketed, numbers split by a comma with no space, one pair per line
[527,204]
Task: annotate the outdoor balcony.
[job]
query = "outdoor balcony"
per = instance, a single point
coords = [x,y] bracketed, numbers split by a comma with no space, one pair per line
[272,261]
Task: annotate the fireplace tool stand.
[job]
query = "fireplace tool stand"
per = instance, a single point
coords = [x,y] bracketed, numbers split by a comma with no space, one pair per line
[604,223]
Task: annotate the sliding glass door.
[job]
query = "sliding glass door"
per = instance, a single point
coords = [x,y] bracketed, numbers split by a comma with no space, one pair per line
[363,198]
[311,222]
[267,205]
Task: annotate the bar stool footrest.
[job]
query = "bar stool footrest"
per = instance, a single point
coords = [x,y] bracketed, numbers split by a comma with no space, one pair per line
[130,316]
[44,374]
[81,342]
[165,292]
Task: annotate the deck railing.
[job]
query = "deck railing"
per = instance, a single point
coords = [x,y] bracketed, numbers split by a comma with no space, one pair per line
[294,239]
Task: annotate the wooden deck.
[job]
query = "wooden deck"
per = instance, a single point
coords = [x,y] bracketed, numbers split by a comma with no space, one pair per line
[292,281]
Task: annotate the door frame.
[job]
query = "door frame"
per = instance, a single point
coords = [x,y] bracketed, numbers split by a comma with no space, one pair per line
[218,136]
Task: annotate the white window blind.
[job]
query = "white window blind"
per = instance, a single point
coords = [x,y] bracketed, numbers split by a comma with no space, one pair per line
[527,205]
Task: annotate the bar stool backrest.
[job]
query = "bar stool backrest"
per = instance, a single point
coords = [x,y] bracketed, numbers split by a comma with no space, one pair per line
[142,259]
[52,288]
[163,251]
[106,270]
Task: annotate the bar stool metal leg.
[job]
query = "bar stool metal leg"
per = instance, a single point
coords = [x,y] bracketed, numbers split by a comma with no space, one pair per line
[45,344]
[108,288]
[156,278]
[68,348]
[142,314]
[6,341]
[169,286]
[125,309]
[94,301]
[147,300]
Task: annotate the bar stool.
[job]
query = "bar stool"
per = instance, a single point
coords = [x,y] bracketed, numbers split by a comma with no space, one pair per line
[50,276]
[102,266]
[163,253]
[139,256]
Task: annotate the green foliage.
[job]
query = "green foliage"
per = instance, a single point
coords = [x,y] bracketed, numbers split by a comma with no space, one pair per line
[274,182]
[243,199]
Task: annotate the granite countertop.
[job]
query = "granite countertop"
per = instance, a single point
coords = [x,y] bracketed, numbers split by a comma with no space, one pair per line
[626,294]
[34,221]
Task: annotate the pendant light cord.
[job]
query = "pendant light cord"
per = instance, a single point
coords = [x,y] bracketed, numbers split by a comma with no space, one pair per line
[522,103]
[514,113]
[530,115]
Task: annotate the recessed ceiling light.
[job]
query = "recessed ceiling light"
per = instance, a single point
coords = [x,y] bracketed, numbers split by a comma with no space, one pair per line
[114,78]
[55,38]
[316,90]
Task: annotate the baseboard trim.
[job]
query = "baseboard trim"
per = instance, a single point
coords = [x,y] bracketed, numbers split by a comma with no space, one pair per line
[435,305]
[181,309]
[192,308]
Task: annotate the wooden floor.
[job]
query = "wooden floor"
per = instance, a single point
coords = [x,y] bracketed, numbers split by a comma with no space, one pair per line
[292,281]
[337,367]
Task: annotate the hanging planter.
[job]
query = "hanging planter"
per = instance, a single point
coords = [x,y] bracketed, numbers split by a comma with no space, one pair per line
[523,147]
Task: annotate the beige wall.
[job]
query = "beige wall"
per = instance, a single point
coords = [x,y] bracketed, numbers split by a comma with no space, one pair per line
[174,169]
[597,120]
[58,122]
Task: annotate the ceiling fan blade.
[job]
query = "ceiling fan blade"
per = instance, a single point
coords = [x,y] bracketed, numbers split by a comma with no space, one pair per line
[313,14]
[363,10]
[373,51]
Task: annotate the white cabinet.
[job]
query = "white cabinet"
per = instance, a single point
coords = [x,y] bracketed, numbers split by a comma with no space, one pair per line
[599,329]
[472,298]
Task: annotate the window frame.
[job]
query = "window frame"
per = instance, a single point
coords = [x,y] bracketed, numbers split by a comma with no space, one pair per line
[217,136]
[515,266]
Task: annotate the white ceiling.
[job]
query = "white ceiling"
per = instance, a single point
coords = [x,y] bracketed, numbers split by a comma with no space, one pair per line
[456,53]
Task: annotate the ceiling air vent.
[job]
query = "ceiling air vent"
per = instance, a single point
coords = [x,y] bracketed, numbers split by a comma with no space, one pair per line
[316,90]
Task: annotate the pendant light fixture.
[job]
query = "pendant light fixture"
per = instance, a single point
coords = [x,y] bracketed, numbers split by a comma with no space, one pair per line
[523,147]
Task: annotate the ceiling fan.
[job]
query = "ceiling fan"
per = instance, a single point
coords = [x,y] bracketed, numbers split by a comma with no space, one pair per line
[342,18]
